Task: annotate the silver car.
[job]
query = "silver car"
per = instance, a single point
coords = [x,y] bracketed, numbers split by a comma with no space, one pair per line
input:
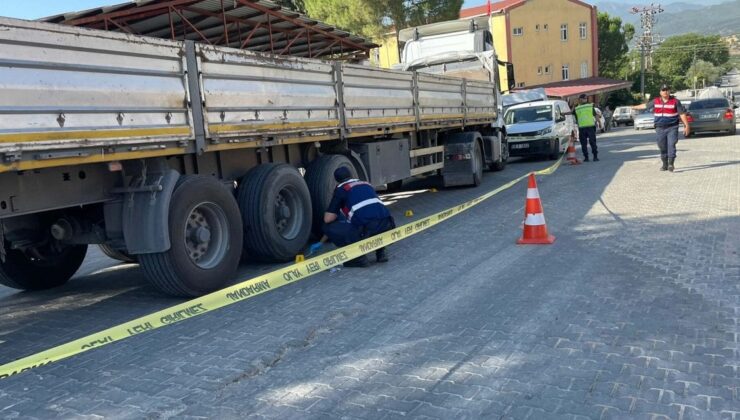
[644,120]
[716,114]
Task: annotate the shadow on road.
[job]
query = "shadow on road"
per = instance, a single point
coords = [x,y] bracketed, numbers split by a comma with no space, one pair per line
[460,317]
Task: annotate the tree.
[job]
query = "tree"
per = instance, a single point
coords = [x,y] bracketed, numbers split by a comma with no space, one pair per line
[361,17]
[613,45]
[676,56]
[372,18]
[296,5]
[703,71]
[422,12]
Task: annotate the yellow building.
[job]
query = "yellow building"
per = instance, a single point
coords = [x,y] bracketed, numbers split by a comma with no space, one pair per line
[547,40]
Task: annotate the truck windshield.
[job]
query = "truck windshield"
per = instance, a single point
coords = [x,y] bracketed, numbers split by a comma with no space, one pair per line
[527,115]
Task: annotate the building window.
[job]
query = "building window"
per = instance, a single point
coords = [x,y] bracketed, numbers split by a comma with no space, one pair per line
[518,31]
[584,70]
[582,30]
[537,27]
[546,27]
[539,70]
[566,72]
[564,32]
[520,84]
[548,69]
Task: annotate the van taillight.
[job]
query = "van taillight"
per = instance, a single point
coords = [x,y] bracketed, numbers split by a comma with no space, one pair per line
[689,118]
[729,115]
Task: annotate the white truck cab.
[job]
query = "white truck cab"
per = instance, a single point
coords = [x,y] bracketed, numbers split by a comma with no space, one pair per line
[541,128]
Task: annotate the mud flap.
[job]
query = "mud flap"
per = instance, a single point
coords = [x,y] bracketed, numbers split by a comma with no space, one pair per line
[146,214]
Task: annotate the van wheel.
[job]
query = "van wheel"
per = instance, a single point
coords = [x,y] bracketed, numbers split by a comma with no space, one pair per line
[276,212]
[321,184]
[50,266]
[555,151]
[205,240]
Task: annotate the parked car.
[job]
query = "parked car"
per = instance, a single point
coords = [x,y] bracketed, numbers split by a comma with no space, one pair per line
[623,115]
[715,114]
[539,128]
[645,120]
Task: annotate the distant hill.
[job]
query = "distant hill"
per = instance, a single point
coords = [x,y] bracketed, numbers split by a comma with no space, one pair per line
[719,19]
[622,9]
[716,17]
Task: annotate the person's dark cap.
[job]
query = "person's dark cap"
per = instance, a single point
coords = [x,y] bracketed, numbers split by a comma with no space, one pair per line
[665,86]
[583,96]
[342,174]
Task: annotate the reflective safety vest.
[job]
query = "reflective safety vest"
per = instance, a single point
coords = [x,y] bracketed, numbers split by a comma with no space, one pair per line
[362,204]
[666,114]
[585,115]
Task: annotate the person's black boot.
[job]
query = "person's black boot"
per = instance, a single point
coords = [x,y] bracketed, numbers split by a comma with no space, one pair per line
[665,164]
[596,157]
[585,158]
[670,164]
[381,255]
[362,261]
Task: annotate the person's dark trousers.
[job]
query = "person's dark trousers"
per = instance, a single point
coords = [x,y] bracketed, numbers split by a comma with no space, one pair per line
[379,226]
[344,233]
[667,140]
[587,135]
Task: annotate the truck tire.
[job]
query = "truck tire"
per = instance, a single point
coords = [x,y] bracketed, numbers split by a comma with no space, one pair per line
[116,254]
[321,185]
[276,212]
[478,164]
[21,272]
[500,165]
[205,240]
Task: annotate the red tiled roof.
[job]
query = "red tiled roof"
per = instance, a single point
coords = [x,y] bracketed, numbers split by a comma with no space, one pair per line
[588,86]
[482,10]
[497,6]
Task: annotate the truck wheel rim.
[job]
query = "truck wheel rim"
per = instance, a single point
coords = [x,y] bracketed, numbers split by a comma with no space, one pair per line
[206,235]
[288,213]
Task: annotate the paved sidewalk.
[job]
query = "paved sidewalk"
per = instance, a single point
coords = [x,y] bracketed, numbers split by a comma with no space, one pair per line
[634,312]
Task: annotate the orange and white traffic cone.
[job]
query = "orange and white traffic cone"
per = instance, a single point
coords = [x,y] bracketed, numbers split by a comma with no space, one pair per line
[535,228]
[572,158]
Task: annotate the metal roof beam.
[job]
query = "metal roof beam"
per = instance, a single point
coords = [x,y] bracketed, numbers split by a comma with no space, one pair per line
[297,22]
[163,6]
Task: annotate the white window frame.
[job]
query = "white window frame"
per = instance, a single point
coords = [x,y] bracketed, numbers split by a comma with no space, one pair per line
[518,31]
[564,32]
[520,84]
[537,27]
[584,69]
[548,69]
[539,70]
[583,30]
[546,27]
[565,71]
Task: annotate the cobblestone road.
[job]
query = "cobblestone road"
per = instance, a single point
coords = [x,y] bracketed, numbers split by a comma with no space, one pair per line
[634,312]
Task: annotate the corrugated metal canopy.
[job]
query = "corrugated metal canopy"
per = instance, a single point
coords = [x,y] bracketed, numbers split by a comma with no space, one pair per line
[257,25]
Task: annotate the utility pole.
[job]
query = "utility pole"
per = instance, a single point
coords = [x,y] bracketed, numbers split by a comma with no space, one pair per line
[647,40]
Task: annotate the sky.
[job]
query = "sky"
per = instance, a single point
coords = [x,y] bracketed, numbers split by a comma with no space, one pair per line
[34,9]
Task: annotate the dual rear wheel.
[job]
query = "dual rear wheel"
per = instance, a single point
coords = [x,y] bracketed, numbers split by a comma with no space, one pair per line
[270,218]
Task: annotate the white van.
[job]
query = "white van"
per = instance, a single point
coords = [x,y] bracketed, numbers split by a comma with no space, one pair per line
[540,128]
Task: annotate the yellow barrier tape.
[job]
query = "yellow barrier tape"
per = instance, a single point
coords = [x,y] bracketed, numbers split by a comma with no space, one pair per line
[249,288]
